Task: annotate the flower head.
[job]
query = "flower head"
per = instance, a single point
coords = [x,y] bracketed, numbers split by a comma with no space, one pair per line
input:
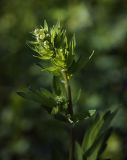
[53,45]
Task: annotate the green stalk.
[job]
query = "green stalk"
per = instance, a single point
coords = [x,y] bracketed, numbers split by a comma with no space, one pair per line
[72,145]
[69,97]
[70,111]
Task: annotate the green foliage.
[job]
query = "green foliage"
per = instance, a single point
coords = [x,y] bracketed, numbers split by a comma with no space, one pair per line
[54,104]
[53,47]
[99,26]
[94,141]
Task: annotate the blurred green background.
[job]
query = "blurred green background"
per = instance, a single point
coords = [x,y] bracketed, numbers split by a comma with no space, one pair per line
[26,130]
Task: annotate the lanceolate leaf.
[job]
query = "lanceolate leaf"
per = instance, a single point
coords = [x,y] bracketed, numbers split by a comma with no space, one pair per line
[96,135]
[45,25]
[78,152]
[99,146]
[42,96]
[80,63]
[92,133]
[108,117]
[78,117]
[94,154]
[52,69]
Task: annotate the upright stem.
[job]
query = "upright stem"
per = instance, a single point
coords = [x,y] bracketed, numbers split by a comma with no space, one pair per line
[72,145]
[69,98]
[70,111]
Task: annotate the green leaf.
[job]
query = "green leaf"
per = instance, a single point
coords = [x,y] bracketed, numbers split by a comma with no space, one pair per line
[94,154]
[78,117]
[95,139]
[99,146]
[92,112]
[78,152]
[42,96]
[71,54]
[55,31]
[52,69]
[57,25]
[61,117]
[96,135]
[92,133]
[73,42]
[80,63]
[45,66]
[30,96]
[45,25]
[108,117]
[56,85]
[77,97]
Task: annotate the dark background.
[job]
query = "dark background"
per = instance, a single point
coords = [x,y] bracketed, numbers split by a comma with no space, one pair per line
[26,131]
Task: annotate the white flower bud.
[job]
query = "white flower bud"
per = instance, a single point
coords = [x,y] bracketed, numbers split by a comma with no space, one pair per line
[36,32]
[41,37]
[61,50]
[47,35]
[45,43]
[37,38]
[41,30]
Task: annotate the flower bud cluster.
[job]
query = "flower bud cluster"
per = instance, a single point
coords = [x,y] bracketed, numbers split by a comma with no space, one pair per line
[43,45]
[41,34]
[60,100]
[53,45]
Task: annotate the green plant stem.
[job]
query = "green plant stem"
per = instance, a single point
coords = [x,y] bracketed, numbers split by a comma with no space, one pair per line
[69,98]
[72,145]
[70,111]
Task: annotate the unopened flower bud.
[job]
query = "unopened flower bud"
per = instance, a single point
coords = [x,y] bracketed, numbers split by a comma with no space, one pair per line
[61,50]
[36,31]
[47,35]
[42,36]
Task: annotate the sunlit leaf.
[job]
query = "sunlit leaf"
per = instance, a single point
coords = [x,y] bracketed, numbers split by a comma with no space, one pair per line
[97,134]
